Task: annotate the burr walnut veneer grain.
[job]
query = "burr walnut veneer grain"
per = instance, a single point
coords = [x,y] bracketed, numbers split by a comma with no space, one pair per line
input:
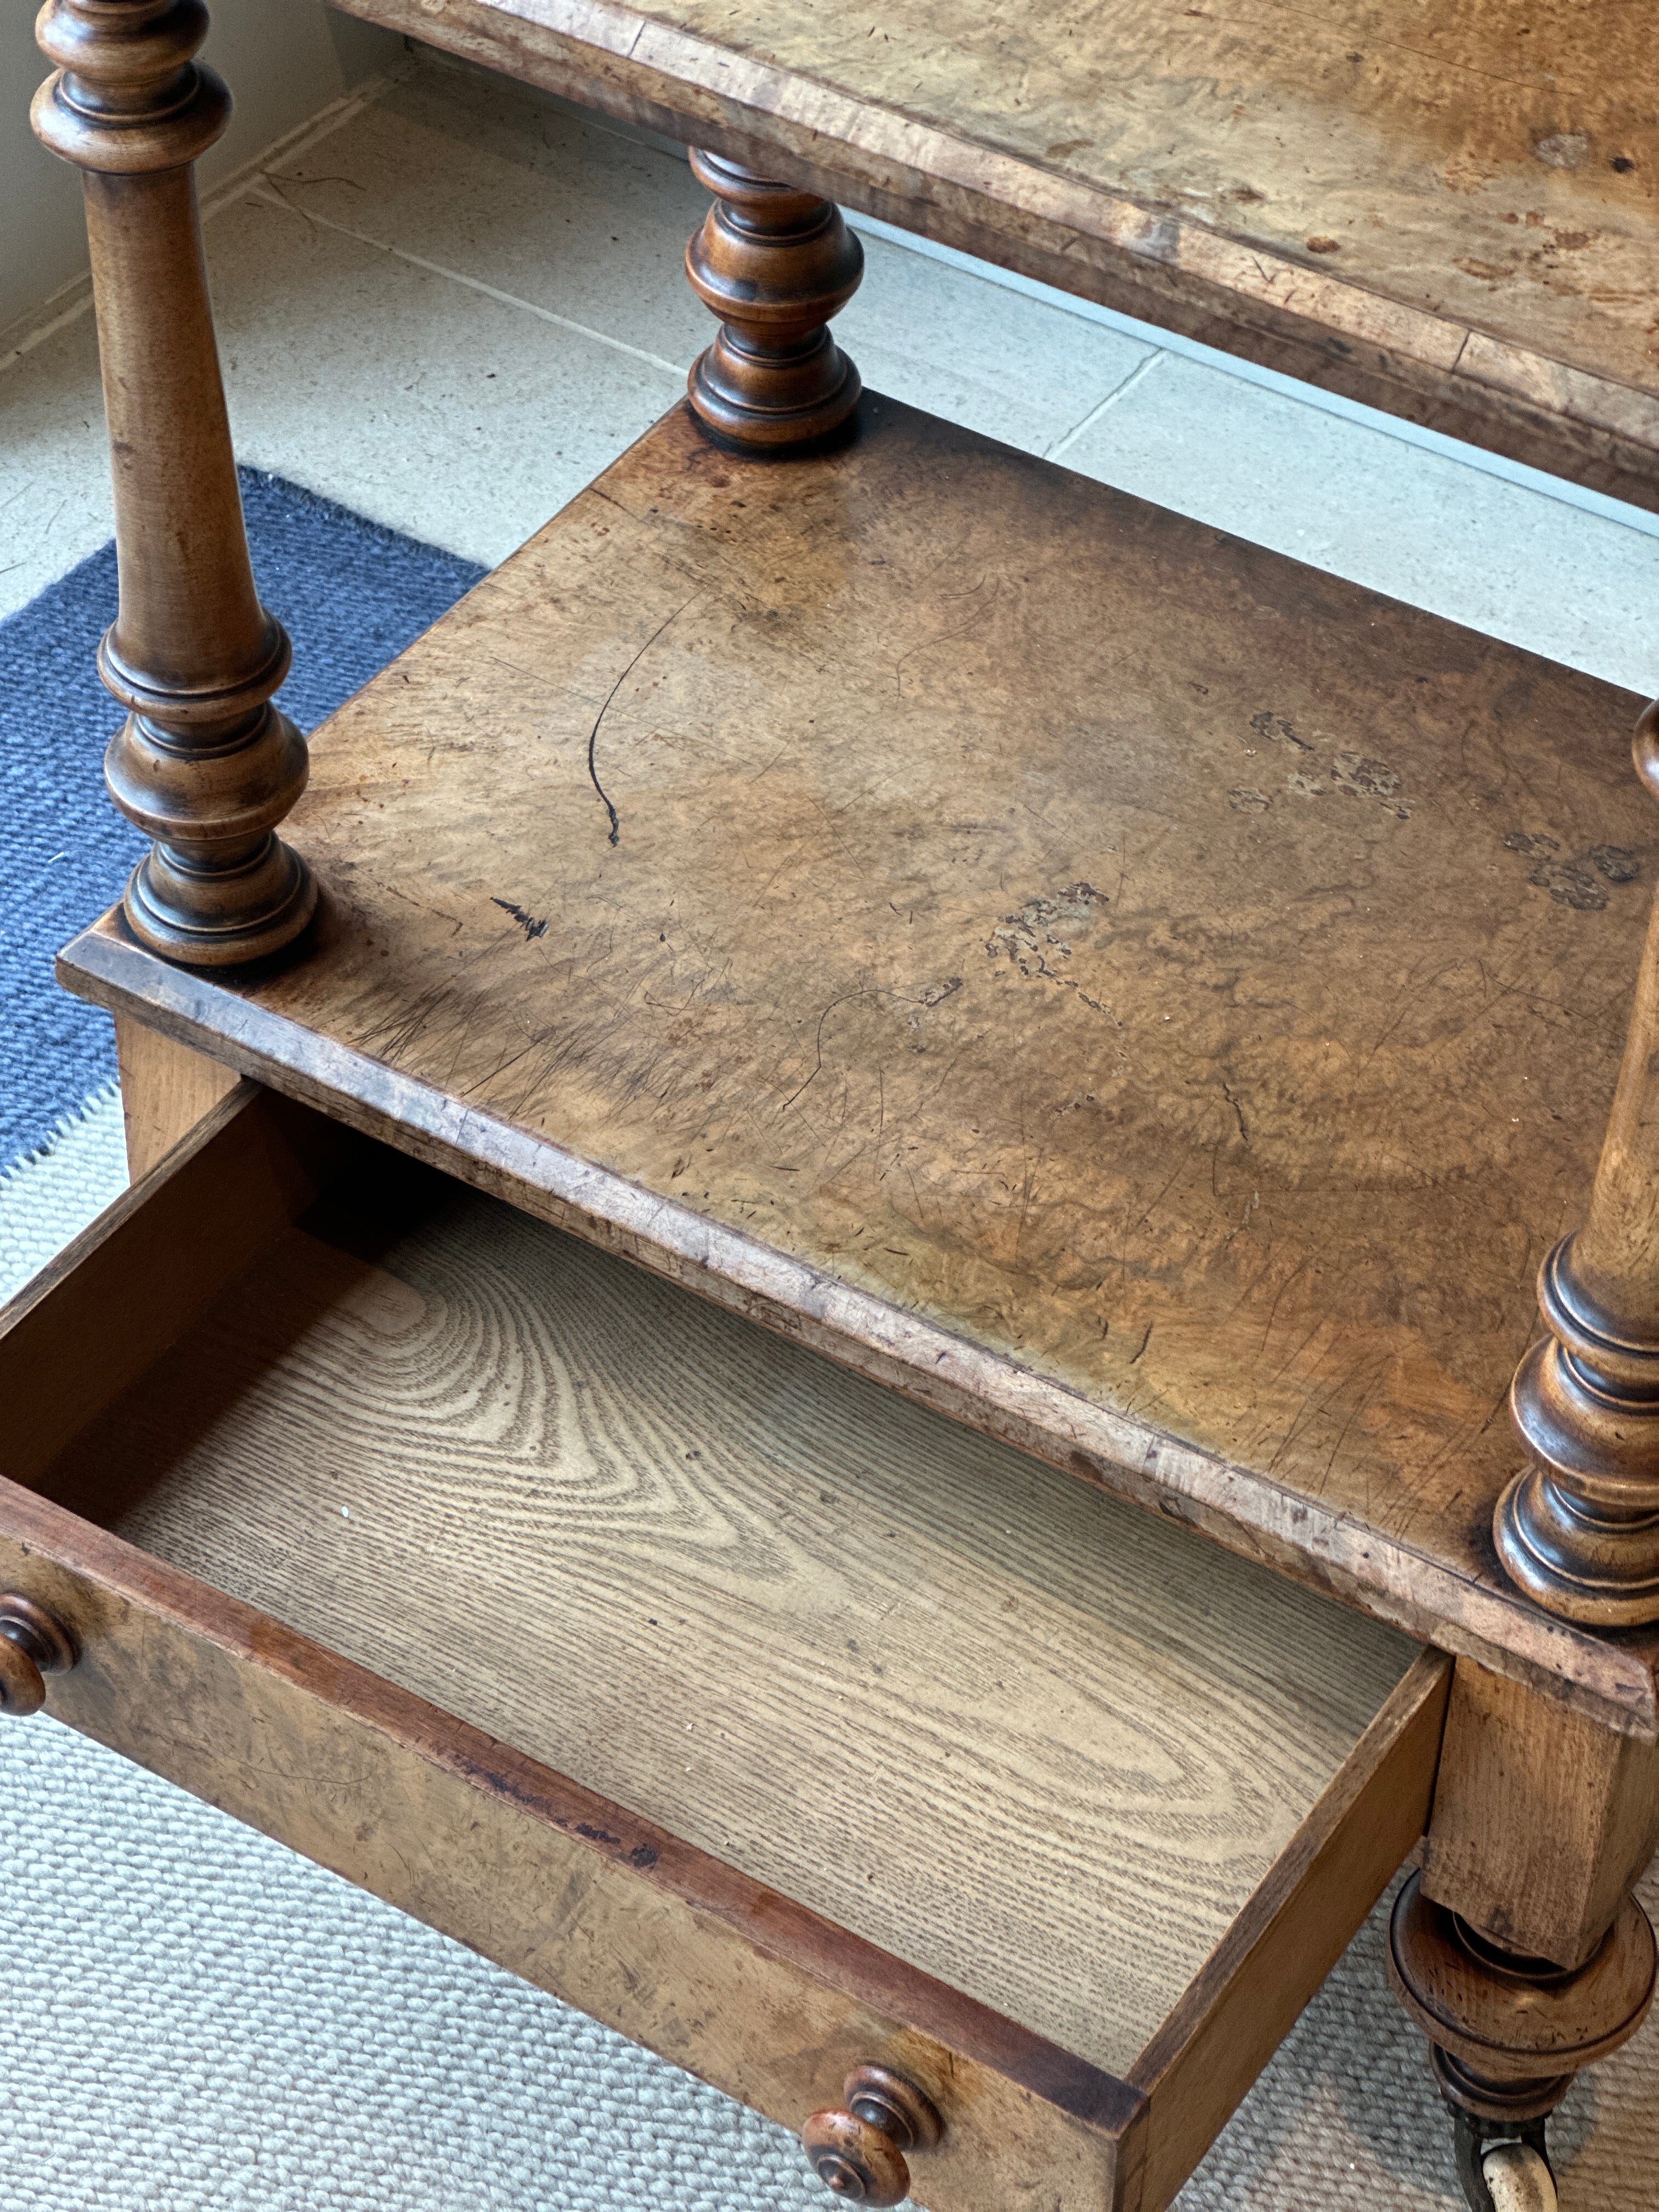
[761,1713]
[1142,996]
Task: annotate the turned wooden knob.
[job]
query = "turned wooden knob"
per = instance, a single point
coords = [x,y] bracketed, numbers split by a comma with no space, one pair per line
[33,1644]
[859,2152]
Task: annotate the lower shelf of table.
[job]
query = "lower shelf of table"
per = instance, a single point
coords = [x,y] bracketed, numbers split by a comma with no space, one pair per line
[1145,997]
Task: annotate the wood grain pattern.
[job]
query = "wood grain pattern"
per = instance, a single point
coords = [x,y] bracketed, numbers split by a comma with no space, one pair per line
[618,1918]
[165,1092]
[1543,1823]
[141,1275]
[677,1947]
[1448,213]
[1141,996]
[983,1717]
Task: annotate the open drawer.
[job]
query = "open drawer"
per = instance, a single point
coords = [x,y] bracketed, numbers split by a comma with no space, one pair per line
[769,1717]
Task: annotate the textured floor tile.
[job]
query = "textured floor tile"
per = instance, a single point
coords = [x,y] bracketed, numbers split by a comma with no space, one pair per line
[477,175]
[420,402]
[967,348]
[1481,551]
[583,223]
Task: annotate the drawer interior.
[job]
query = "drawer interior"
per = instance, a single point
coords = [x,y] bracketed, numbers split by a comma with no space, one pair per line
[1038,1744]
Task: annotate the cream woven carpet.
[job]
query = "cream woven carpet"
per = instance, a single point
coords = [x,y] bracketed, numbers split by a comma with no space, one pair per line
[192,2018]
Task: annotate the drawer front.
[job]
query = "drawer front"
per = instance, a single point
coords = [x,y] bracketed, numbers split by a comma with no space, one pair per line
[678,1952]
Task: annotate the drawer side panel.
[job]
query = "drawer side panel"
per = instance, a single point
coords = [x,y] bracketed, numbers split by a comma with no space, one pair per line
[1280,1948]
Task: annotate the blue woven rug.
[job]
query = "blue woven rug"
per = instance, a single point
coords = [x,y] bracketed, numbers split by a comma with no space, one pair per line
[352,595]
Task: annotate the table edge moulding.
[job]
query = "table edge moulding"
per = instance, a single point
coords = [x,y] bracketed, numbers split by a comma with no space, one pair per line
[1180,234]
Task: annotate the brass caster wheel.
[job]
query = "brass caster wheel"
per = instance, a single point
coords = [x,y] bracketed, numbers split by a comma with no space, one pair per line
[1504,2169]
[1518,2180]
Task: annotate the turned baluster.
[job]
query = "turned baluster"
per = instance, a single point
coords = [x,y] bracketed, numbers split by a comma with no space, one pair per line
[204,765]
[1518,1947]
[775,263]
[1579,1528]
[1509,2033]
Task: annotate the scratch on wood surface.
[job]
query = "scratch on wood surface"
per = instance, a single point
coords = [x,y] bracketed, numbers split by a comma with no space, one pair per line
[593,734]
[943,637]
[531,925]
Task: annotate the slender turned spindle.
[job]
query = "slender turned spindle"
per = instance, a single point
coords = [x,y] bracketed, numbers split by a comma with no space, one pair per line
[775,265]
[1579,1529]
[204,765]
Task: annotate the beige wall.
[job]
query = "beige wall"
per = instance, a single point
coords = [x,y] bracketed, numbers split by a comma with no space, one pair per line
[283,59]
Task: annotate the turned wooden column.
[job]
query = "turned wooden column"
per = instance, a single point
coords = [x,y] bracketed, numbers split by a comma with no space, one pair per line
[1579,1528]
[204,765]
[1508,2031]
[775,265]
